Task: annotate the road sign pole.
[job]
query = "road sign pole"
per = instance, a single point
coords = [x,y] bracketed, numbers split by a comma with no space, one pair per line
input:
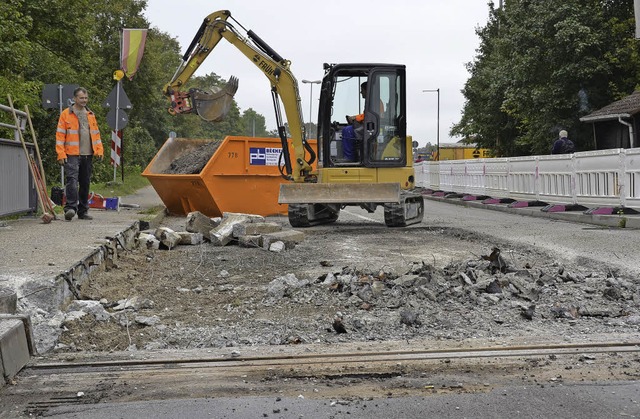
[61,106]
[115,164]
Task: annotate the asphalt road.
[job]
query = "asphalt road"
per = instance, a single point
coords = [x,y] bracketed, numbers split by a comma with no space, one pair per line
[565,401]
[574,240]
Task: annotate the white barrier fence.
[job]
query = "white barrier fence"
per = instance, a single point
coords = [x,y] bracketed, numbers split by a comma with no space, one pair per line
[603,178]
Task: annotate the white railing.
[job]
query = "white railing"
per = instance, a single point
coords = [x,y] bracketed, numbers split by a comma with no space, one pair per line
[603,178]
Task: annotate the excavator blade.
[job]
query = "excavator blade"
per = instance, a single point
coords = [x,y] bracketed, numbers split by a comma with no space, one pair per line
[339,193]
[216,105]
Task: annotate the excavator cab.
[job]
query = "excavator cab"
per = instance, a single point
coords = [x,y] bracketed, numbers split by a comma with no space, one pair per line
[361,119]
[364,153]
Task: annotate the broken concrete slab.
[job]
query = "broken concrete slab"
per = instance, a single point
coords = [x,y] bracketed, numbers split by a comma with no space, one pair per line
[8,300]
[167,237]
[250,218]
[14,347]
[250,240]
[197,222]
[148,241]
[277,247]
[223,234]
[289,237]
[255,228]
[189,238]
[89,306]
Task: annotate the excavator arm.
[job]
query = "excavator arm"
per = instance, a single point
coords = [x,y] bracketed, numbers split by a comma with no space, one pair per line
[214,106]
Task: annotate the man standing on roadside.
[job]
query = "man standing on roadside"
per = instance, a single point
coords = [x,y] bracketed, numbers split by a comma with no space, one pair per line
[77,141]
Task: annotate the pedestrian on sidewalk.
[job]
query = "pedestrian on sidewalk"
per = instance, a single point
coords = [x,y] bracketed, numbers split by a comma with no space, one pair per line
[563,145]
[77,141]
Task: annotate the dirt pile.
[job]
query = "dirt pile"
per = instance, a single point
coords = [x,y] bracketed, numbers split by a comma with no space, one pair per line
[347,284]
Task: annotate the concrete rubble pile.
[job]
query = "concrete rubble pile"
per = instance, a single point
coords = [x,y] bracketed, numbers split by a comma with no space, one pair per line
[247,230]
[464,299]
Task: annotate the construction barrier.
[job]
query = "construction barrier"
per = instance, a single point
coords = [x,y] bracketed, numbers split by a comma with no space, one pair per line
[603,178]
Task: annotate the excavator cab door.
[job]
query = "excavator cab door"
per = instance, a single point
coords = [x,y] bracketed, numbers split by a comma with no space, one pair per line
[384,142]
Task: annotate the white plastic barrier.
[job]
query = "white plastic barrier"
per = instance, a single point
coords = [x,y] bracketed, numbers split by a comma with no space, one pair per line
[598,175]
[556,179]
[631,194]
[496,175]
[522,179]
[609,178]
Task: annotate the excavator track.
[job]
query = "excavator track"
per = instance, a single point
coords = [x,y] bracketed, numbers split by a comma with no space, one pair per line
[409,211]
[307,215]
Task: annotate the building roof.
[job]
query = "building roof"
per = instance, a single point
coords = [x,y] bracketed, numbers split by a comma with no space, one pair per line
[623,108]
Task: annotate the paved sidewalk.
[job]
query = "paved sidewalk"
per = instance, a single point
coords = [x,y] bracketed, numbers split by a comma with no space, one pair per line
[31,250]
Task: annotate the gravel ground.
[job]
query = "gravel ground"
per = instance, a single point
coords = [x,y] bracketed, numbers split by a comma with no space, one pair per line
[354,281]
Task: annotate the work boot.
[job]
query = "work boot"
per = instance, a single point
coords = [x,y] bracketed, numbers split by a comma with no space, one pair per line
[85,217]
[69,214]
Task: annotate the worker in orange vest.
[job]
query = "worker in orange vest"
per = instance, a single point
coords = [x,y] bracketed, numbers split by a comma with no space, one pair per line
[77,141]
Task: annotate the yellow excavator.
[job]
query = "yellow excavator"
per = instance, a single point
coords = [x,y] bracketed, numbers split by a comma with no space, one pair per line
[363,160]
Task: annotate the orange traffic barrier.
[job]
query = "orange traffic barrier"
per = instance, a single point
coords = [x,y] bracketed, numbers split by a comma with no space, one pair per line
[241,175]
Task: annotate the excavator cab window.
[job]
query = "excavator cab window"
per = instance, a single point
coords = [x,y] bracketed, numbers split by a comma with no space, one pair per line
[363,128]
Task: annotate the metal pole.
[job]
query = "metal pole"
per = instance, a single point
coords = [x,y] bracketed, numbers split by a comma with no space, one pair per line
[115,165]
[61,107]
[311,98]
[437,122]
[438,127]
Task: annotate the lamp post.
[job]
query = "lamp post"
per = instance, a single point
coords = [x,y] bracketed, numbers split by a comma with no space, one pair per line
[438,121]
[311,83]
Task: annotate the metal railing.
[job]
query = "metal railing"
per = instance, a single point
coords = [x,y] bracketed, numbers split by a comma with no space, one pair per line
[593,179]
[17,188]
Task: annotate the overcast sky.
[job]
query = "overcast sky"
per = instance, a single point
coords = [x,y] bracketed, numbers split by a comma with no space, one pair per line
[433,38]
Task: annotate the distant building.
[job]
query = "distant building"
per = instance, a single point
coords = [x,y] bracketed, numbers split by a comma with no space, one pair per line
[461,151]
[616,125]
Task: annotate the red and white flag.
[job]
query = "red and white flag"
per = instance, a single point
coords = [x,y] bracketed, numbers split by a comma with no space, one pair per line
[116,147]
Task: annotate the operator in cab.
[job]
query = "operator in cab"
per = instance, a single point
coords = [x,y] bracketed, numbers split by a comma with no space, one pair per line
[354,132]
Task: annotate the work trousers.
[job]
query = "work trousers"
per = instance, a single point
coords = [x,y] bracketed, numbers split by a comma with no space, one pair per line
[77,171]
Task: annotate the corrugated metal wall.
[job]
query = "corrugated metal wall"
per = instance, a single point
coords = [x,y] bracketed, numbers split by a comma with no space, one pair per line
[17,190]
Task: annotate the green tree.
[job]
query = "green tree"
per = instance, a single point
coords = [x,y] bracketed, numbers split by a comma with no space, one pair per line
[541,65]
[253,124]
[55,42]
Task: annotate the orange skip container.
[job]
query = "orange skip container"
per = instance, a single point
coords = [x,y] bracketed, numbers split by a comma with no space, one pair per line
[241,176]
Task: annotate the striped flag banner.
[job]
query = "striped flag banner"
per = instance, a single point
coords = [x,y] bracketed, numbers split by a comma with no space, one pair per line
[116,147]
[132,49]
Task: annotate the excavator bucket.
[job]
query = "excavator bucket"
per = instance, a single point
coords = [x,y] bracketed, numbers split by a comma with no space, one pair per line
[338,193]
[214,106]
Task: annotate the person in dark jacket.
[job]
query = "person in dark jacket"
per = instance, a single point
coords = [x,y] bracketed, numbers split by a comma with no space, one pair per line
[563,145]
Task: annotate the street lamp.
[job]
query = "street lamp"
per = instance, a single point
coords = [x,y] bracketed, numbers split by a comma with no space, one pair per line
[438,121]
[311,83]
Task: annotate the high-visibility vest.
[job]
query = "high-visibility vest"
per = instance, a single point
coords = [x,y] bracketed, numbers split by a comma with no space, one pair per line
[68,134]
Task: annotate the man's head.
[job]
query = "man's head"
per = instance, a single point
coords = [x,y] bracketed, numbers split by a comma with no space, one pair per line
[363,89]
[80,97]
[563,134]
